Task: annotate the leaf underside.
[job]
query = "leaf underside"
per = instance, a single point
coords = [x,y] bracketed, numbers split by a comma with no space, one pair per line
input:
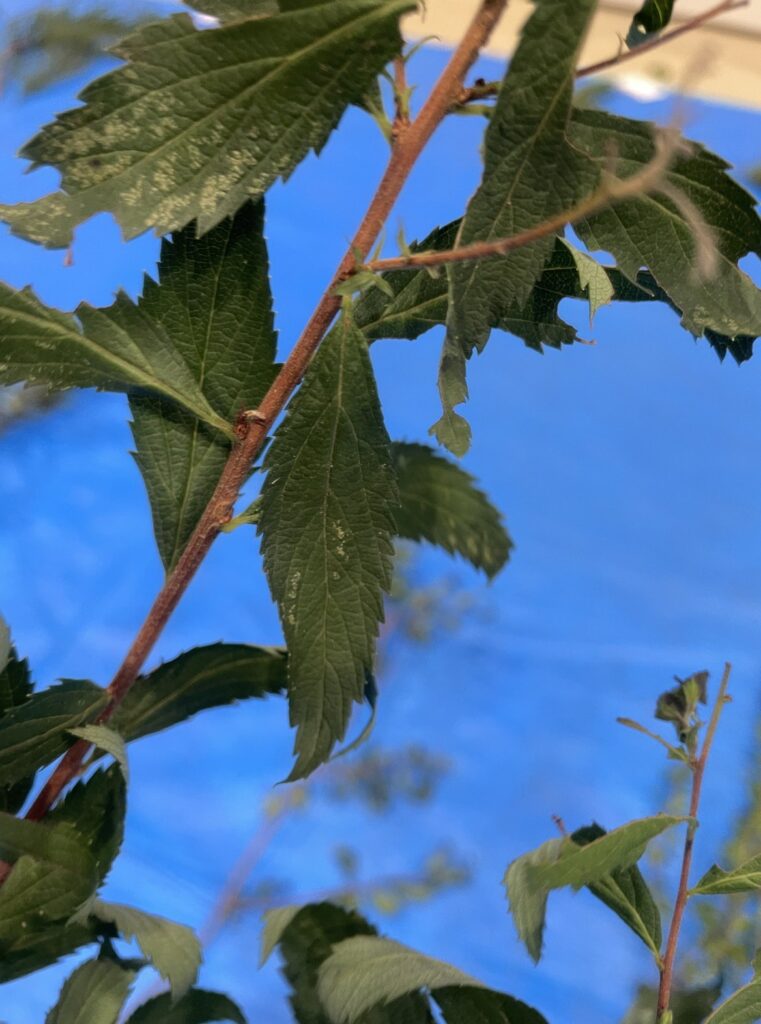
[562,862]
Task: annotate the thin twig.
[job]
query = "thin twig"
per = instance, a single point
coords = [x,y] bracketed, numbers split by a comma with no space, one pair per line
[611,191]
[698,769]
[484,90]
[252,428]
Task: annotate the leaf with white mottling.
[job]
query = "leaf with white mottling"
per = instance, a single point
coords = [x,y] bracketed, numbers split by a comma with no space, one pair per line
[199,121]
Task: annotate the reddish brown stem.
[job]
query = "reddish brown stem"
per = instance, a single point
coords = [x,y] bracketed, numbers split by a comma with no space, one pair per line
[252,428]
[612,190]
[698,770]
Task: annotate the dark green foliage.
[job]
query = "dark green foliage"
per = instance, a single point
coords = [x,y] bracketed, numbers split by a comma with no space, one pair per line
[327,527]
[440,503]
[196,1007]
[204,677]
[531,171]
[655,232]
[36,732]
[54,873]
[213,301]
[468,1005]
[115,349]
[627,894]
[652,16]
[15,690]
[42,894]
[96,809]
[421,300]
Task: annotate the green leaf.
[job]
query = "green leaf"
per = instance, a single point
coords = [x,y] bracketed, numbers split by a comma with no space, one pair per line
[39,949]
[94,994]
[532,171]
[651,231]
[56,845]
[627,894]
[305,943]
[652,16]
[15,682]
[204,677]
[108,741]
[213,302]
[197,122]
[36,732]
[528,902]
[561,862]
[54,873]
[367,971]
[96,810]
[718,882]
[114,349]
[593,279]
[196,1007]
[38,899]
[307,940]
[468,1005]
[327,526]
[419,299]
[173,949]
[441,504]
[275,923]
[742,1007]
[15,690]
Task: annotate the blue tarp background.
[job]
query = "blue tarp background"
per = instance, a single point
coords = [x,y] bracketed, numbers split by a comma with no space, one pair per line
[629,475]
